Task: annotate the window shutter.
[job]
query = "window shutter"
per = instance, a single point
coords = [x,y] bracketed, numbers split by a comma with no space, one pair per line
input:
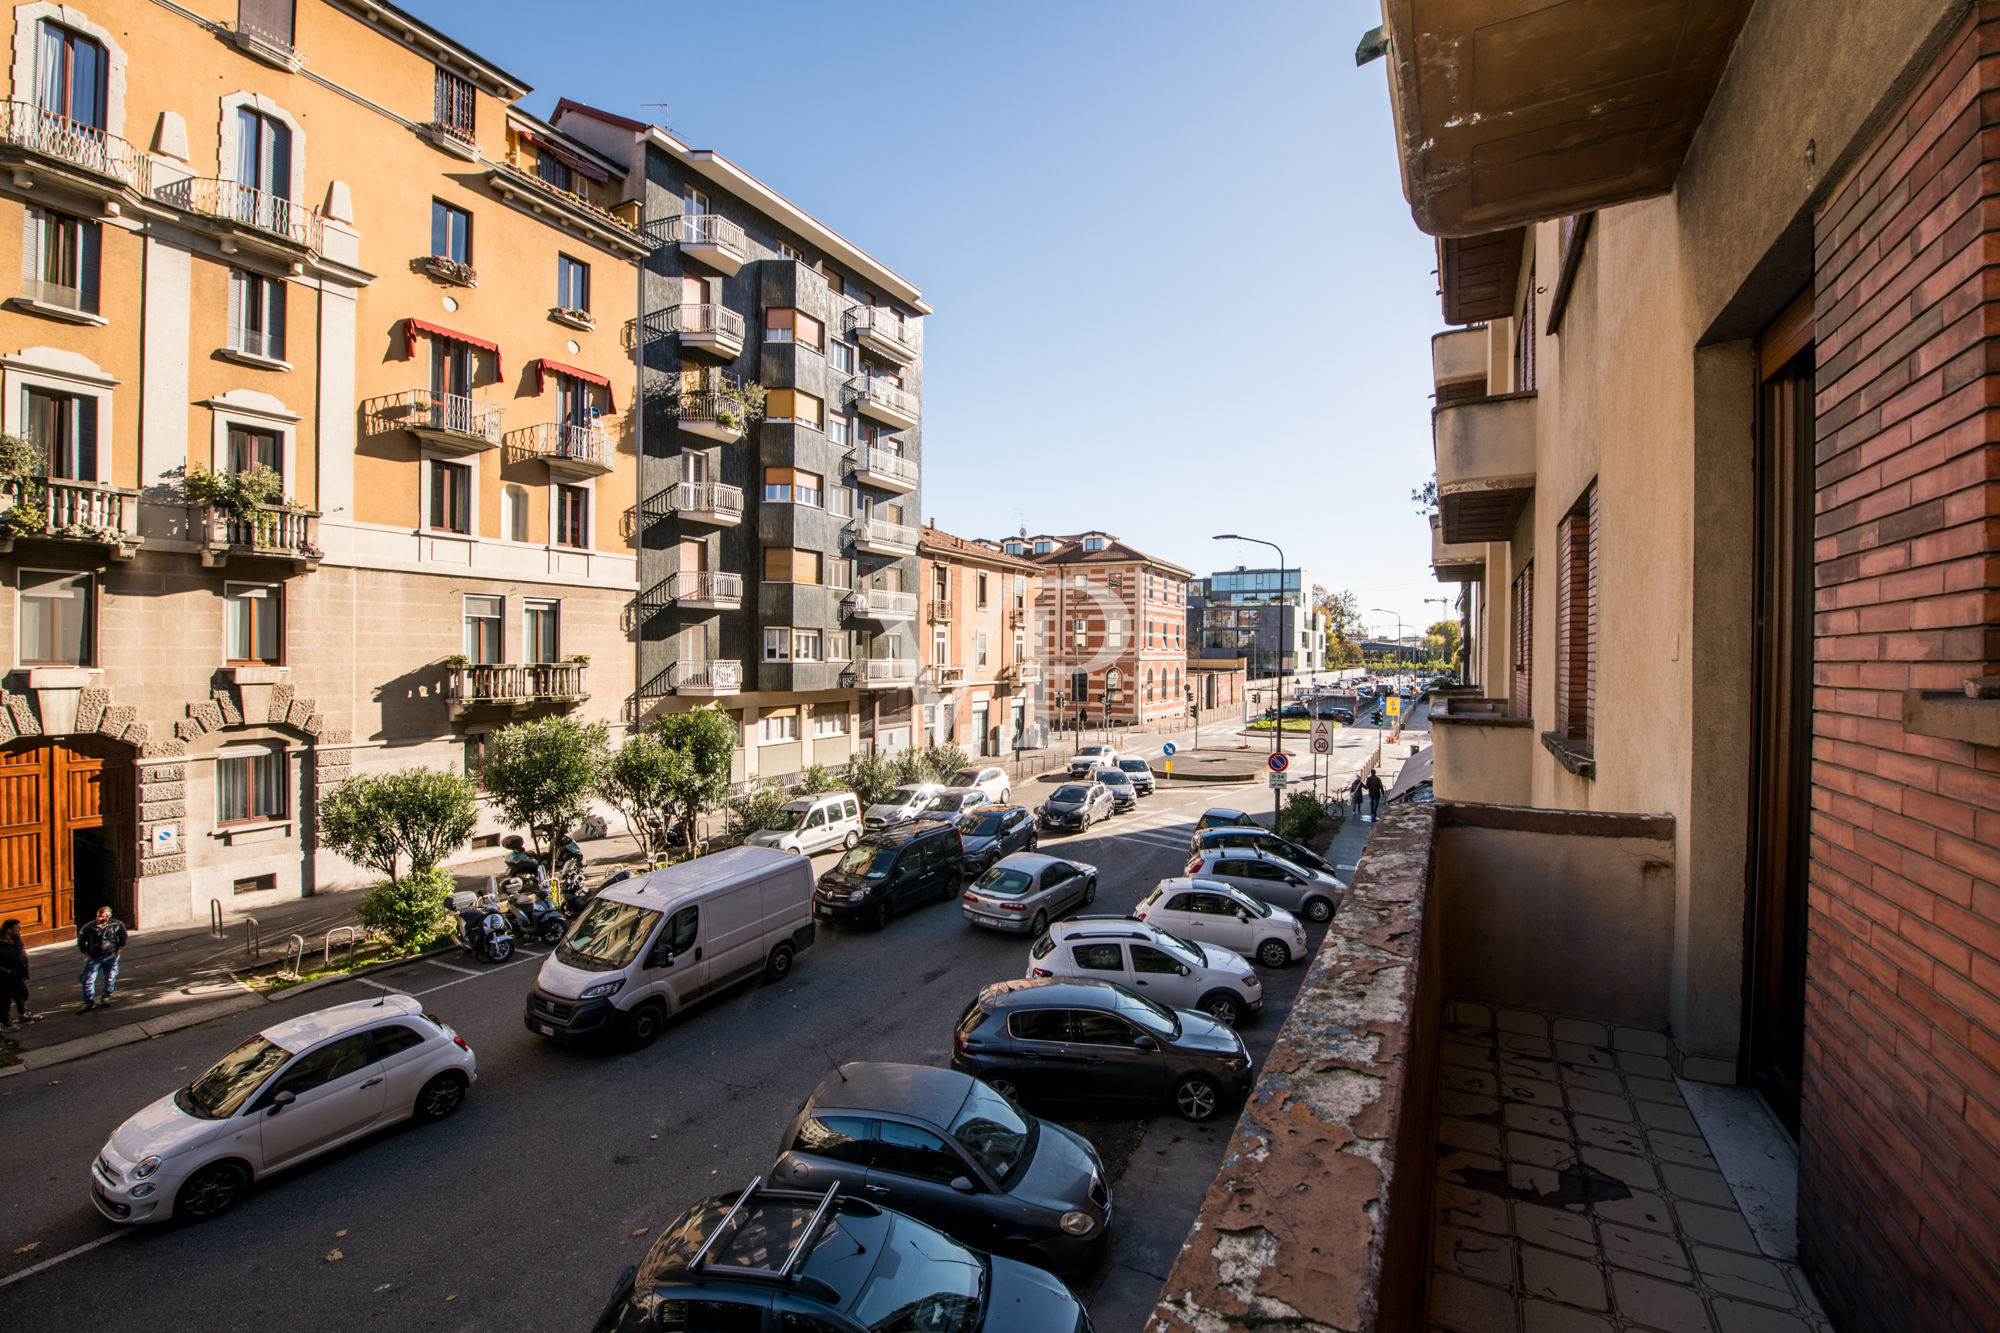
[89,238]
[237,281]
[271,18]
[274,319]
[31,252]
[86,439]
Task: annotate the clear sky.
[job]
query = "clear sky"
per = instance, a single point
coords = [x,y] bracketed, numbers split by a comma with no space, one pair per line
[1178,290]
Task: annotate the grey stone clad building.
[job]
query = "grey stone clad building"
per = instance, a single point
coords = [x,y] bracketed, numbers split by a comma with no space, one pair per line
[778,540]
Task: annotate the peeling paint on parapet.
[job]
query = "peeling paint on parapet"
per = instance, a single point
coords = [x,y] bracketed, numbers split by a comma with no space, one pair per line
[1295,1228]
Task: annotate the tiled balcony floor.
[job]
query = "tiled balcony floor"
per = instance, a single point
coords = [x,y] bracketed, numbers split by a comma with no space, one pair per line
[1576,1194]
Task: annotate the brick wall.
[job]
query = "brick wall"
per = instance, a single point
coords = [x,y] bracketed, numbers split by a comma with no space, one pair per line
[1899,1182]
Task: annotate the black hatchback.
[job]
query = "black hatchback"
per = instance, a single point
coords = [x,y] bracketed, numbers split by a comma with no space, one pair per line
[892,871]
[994,832]
[1050,1039]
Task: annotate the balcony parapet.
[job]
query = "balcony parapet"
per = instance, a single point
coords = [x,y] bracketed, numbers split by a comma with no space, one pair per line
[516,686]
[80,513]
[1455,563]
[34,137]
[1485,465]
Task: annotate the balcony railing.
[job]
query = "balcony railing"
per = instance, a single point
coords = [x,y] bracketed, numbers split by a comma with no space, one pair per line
[880,329]
[1024,673]
[712,413]
[226,201]
[572,449]
[940,611]
[695,676]
[948,675]
[885,468]
[514,685]
[451,271]
[709,229]
[27,127]
[884,401]
[705,587]
[74,511]
[267,530]
[877,532]
[707,325]
[883,604]
[710,501]
[888,670]
[445,418]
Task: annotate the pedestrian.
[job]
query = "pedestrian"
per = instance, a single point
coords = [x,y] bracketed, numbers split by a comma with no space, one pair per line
[1354,793]
[13,977]
[100,941]
[1374,794]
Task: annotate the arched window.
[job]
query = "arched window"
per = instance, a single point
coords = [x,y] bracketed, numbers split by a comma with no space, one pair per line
[514,512]
[1149,684]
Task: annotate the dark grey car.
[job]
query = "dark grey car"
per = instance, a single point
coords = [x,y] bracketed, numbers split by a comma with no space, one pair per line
[1076,805]
[948,1150]
[1263,840]
[994,831]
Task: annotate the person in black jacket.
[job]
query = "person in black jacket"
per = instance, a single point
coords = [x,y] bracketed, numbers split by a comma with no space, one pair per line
[1374,795]
[13,976]
[100,941]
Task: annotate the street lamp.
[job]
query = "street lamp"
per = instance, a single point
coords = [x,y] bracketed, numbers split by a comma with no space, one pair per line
[1399,629]
[1444,602]
[1278,712]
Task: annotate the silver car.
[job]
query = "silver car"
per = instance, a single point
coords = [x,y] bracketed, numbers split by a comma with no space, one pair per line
[1124,796]
[1090,758]
[1140,773]
[955,803]
[901,805]
[1272,879]
[1021,892]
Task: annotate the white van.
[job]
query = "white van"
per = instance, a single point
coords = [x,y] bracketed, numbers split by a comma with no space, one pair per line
[646,948]
[812,824]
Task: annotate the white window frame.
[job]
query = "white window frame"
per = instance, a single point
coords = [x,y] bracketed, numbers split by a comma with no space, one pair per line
[254,411]
[58,372]
[28,18]
[787,730]
[777,643]
[806,646]
[96,614]
[529,604]
[836,643]
[277,590]
[262,105]
[829,720]
[272,750]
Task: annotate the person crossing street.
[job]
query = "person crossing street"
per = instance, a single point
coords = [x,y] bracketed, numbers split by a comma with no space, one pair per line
[101,941]
[1374,795]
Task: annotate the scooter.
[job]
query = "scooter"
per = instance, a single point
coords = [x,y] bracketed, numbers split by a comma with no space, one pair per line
[530,912]
[482,926]
[570,892]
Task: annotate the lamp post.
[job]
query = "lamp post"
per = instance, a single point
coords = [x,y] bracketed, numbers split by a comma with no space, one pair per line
[1278,712]
[1399,629]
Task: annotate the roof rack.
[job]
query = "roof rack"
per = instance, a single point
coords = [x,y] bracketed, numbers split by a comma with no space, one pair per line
[785,1272]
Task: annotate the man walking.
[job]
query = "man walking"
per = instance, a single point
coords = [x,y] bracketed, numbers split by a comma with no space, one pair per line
[1374,795]
[100,942]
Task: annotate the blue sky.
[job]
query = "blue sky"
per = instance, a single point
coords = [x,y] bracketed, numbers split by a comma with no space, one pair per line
[1178,291]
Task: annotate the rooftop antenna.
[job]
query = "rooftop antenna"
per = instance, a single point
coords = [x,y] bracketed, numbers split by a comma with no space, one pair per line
[663,122]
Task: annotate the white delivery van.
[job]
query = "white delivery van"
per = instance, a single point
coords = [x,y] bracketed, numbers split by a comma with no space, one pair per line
[646,948]
[812,824]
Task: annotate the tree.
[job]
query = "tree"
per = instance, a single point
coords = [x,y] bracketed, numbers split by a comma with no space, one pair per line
[1425,497]
[1343,628]
[703,741]
[542,774]
[1441,643]
[870,776]
[377,819]
[640,781]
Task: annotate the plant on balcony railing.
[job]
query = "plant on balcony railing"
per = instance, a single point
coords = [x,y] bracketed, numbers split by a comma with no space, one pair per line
[450,270]
[728,400]
[254,508]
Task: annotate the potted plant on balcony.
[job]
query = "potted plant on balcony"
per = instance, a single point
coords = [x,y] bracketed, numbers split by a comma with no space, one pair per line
[457,662]
[581,659]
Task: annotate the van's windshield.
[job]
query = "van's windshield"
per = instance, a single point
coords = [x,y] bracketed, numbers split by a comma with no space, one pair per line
[784,821]
[607,936]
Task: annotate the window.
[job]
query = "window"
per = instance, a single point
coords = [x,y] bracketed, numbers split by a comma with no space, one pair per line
[694,203]
[839,427]
[572,516]
[514,512]
[783,564]
[253,623]
[839,573]
[250,786]
[836,647]
[270,19]
[256,448]
[1039,1024]
[1524,340]
[840,502]
[784,485]
[805,645]
[1576,622]
[940,646]
[1020,645]
[263,163]
[1098,957]
[71,75]
[1042,548]
[829,719]
[539,640]
[451,232]
[1521,697]
[393,1040]
[1011,548]
[63,428]
[57,614]
[777,645]
[790,251]
[981,585]
[785,326]
[455,104]
[1145,958]
[475,758]
[776,727]
[794,406]
[979,650]
[909,1151]
[60,259]
[552,170]
[483,616]
[841,1138]
[1093,543]
[572,283]
[840,357]
[451,496]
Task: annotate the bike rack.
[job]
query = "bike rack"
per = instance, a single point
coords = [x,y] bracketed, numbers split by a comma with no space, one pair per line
[215,917]
[350,936]
[253,942]
[295,944]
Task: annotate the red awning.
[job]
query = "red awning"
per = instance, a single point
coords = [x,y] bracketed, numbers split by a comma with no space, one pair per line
[567,156]
[545,367]
[412,327]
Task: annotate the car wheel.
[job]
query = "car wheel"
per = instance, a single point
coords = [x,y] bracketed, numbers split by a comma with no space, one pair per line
[1196,1098]
[439,1097]
[1273,953]
[1038,925]
[852,838]
[211,1192]
[1090,891]
[779,965]
[499,951]
[879,918]
[642,1026]
[1006,1087]
[1319,909]
[1222,1006]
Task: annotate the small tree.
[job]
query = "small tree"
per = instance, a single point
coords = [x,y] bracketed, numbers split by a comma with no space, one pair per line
[378,819]
[870,777]
[640,779]
[411,911]
[941,761]
[816,779]
[541,774]
[754,809]
[704,740]
[1301,816]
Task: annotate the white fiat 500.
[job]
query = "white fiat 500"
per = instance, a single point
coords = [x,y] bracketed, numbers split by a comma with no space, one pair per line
[291,1092]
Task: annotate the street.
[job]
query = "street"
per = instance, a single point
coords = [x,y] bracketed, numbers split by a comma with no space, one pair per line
[563,1165]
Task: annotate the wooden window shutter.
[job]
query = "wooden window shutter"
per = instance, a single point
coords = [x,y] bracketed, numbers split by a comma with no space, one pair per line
[1521,697]
[31,251]
[89,244]
[1576,620]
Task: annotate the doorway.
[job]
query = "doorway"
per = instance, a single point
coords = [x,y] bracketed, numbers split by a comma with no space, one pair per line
[1781,656]
[65,834]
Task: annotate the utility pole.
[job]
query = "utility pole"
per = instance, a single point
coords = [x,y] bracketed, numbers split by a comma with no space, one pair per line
[1278,711]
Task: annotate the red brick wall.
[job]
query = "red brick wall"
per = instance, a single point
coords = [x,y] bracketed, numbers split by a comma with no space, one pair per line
[1899,1182]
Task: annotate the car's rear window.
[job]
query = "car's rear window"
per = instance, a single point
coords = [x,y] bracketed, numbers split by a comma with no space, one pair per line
[1005,882]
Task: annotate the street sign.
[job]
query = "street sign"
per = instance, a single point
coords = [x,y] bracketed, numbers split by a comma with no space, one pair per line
[1395,706]
[1168,747]
[1321,745]
[1322,731]
[1277,779]
[1279,761]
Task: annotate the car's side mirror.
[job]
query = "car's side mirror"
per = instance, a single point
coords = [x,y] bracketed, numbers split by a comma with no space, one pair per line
[1244,917]
[962,1184]
[1146,1043]
[280,1102]
[1293,882]
[1186,971]
[661,958]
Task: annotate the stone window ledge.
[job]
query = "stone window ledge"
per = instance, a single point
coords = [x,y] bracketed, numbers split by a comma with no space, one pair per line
[260,832]
[1570,754]
[1951,715]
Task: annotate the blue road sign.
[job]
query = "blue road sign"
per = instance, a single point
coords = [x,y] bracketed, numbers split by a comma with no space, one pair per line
[1168,747]
[1279,762]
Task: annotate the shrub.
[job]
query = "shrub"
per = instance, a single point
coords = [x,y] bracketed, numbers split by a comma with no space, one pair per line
[909,768]
[754,809]
[1300,818]
[411,912]
[941,761]
[816,779]
[376,819]
[870,777]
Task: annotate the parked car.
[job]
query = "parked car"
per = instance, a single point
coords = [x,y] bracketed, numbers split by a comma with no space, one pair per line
[955,803]
[1222,818]
[1289,711]
[994,831]
[1059,1040]
[993,781]
[829,1263]
[942,1147]
[1150,962]
[648,947]
[1021,892]
[1272,879]
[901,805]
[1140,773]
[294,1091]
[892,871]
[1091,758]
[1341,713]
[1124,796]
[1075,805]
[1263,840]
[1212,912]
[812,824]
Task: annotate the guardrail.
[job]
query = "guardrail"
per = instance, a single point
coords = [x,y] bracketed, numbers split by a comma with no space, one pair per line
[420,409]
[707,497]
[715,319]
[26,126]
[515,682]
[228,201]
[580,444]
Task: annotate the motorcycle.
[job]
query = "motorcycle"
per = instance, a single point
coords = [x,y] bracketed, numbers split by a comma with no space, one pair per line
[482,926]
[530,912]
[570,891]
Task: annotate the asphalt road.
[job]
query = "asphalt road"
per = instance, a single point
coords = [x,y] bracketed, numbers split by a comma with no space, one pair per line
[520,1211]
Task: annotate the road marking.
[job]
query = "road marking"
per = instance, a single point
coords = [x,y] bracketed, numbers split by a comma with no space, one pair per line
[452,967]
[12,1278]
[379,986]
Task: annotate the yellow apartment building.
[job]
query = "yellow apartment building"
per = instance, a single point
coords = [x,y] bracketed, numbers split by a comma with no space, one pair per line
[317,246]
[981,644]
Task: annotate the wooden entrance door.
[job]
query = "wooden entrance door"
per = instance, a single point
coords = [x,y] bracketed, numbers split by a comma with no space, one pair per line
[65,834]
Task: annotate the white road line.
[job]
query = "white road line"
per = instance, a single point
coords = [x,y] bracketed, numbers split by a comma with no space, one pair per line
[379,986]
[453,967]
[12,1278]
